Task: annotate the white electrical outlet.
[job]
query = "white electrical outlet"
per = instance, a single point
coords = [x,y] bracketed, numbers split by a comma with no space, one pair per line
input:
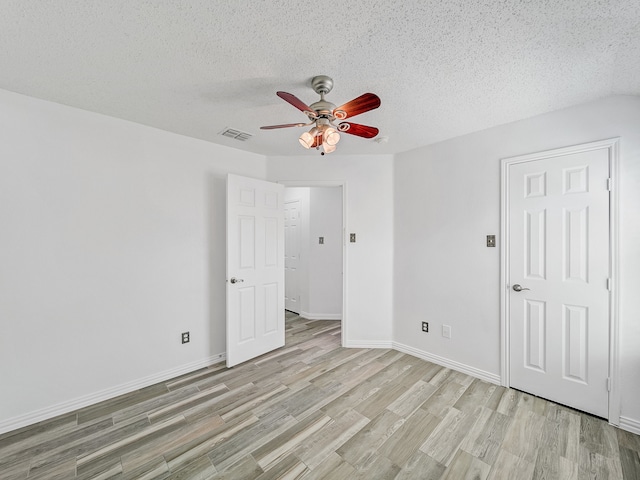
[446,331]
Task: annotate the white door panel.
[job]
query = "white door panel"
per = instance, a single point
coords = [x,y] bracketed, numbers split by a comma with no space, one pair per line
[559,254]
[255,268]
[292,227]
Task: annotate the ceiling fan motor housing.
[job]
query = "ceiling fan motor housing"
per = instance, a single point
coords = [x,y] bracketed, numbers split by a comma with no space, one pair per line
[323,108]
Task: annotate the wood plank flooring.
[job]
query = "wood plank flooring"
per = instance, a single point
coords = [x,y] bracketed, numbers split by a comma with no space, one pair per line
[314,410]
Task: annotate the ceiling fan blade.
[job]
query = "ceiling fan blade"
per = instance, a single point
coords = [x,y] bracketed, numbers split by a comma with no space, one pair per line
[364,103]
[295,101]
[357,129]
[286,125]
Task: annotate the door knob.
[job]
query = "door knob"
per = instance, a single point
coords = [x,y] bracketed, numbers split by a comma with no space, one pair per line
[236,280]
[518,288]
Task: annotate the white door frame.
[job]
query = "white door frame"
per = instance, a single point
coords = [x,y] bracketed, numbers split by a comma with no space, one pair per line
[612,146]
[333,183]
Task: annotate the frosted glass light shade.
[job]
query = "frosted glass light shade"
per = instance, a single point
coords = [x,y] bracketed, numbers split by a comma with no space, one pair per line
[306,140]
[328,148]
[331,136]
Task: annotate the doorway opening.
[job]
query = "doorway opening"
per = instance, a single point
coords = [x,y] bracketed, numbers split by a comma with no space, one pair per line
[315,251]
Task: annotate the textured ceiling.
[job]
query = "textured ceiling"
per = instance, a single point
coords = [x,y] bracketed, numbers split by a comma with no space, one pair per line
[441,68]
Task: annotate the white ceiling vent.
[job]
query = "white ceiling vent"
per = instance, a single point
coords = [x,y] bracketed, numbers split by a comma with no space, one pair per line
[237,134]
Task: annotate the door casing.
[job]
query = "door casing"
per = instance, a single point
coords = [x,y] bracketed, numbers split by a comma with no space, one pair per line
[612,145]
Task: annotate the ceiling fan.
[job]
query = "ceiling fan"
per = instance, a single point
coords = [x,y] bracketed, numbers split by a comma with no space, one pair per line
[323,115]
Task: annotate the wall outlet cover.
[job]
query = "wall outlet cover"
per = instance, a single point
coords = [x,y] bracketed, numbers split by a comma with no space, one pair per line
[446,331]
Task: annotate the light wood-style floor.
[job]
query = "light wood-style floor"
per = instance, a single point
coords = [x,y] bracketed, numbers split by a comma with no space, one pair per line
[315,410]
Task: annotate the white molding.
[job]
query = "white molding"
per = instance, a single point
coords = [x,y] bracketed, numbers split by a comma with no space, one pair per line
[504,274]
[612,145]
[615,395]
[560,152]
[630,425]
[321,316]
[369,344]
[106,394]
[445,362]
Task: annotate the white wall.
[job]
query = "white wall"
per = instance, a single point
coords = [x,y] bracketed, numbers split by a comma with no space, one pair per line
[325,261]
[447,198]
[369,261]
[112,244]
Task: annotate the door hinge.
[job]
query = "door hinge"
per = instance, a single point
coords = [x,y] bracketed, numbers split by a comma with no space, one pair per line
[609,283]
[609,184]
[609,384]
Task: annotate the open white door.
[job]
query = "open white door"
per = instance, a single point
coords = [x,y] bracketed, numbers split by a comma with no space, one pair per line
[255,268]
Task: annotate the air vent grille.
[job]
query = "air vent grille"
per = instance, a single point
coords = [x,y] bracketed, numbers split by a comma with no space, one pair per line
[237,134]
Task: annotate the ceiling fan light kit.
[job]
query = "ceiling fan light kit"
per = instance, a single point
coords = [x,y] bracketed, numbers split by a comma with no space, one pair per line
[323,114]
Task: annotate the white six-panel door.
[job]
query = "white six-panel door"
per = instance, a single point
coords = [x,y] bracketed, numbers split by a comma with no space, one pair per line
[255,268]
[558,227]
[292,255]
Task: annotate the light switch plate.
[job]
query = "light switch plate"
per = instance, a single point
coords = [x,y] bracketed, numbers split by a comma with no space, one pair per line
[491,240]
[352,237]
[321,240]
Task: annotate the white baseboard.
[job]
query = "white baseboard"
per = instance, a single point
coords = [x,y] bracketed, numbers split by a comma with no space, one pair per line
[368,344]
[107,394]
[445,362]
[321,316]
[630,425]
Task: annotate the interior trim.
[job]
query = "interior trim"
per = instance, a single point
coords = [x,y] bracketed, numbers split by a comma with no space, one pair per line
[445,362]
